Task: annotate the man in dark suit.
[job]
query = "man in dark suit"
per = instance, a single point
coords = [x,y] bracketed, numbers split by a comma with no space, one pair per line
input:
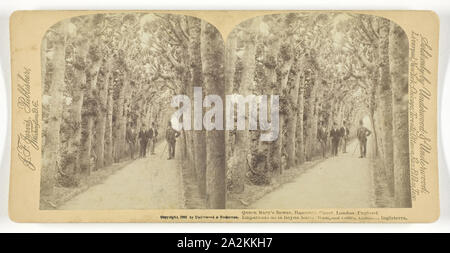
[322,137]
[143,138]
[130,137]
[335,135]
[362,134]
[171,138]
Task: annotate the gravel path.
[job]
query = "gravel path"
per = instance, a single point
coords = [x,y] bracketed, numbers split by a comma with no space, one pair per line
[344,181]
[147,183]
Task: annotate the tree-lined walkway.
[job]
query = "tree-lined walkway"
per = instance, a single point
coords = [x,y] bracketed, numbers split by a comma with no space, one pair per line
[147,183]
[344,181]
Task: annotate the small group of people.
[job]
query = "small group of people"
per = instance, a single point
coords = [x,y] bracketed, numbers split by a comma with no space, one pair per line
[146,136]
[362,134]
[340,136]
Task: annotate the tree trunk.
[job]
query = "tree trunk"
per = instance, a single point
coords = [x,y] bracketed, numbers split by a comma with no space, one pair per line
[50,154]
[245,86]
[310,120]
[103,86]
[212,54]
[398,52]
[287,58]
[119,126]
[74,143]
[195,63]
[109,158]
[89,107]
[274,43]
[125,119]
[70,133]
[230,69]
[315,119]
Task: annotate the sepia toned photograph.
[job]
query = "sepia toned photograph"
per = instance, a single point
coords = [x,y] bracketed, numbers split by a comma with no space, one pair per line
[159,111]
[343,84]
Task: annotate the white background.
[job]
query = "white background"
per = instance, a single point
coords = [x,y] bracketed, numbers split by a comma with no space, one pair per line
[442,8]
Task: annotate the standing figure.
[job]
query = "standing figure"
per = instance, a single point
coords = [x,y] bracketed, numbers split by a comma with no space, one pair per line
[171,138]
[154,134]
[322,137]
[143,140]
[344,133]
[362,134]
[130,137]
[335,135]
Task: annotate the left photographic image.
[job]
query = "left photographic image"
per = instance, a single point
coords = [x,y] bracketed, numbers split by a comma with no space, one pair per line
[107,82]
